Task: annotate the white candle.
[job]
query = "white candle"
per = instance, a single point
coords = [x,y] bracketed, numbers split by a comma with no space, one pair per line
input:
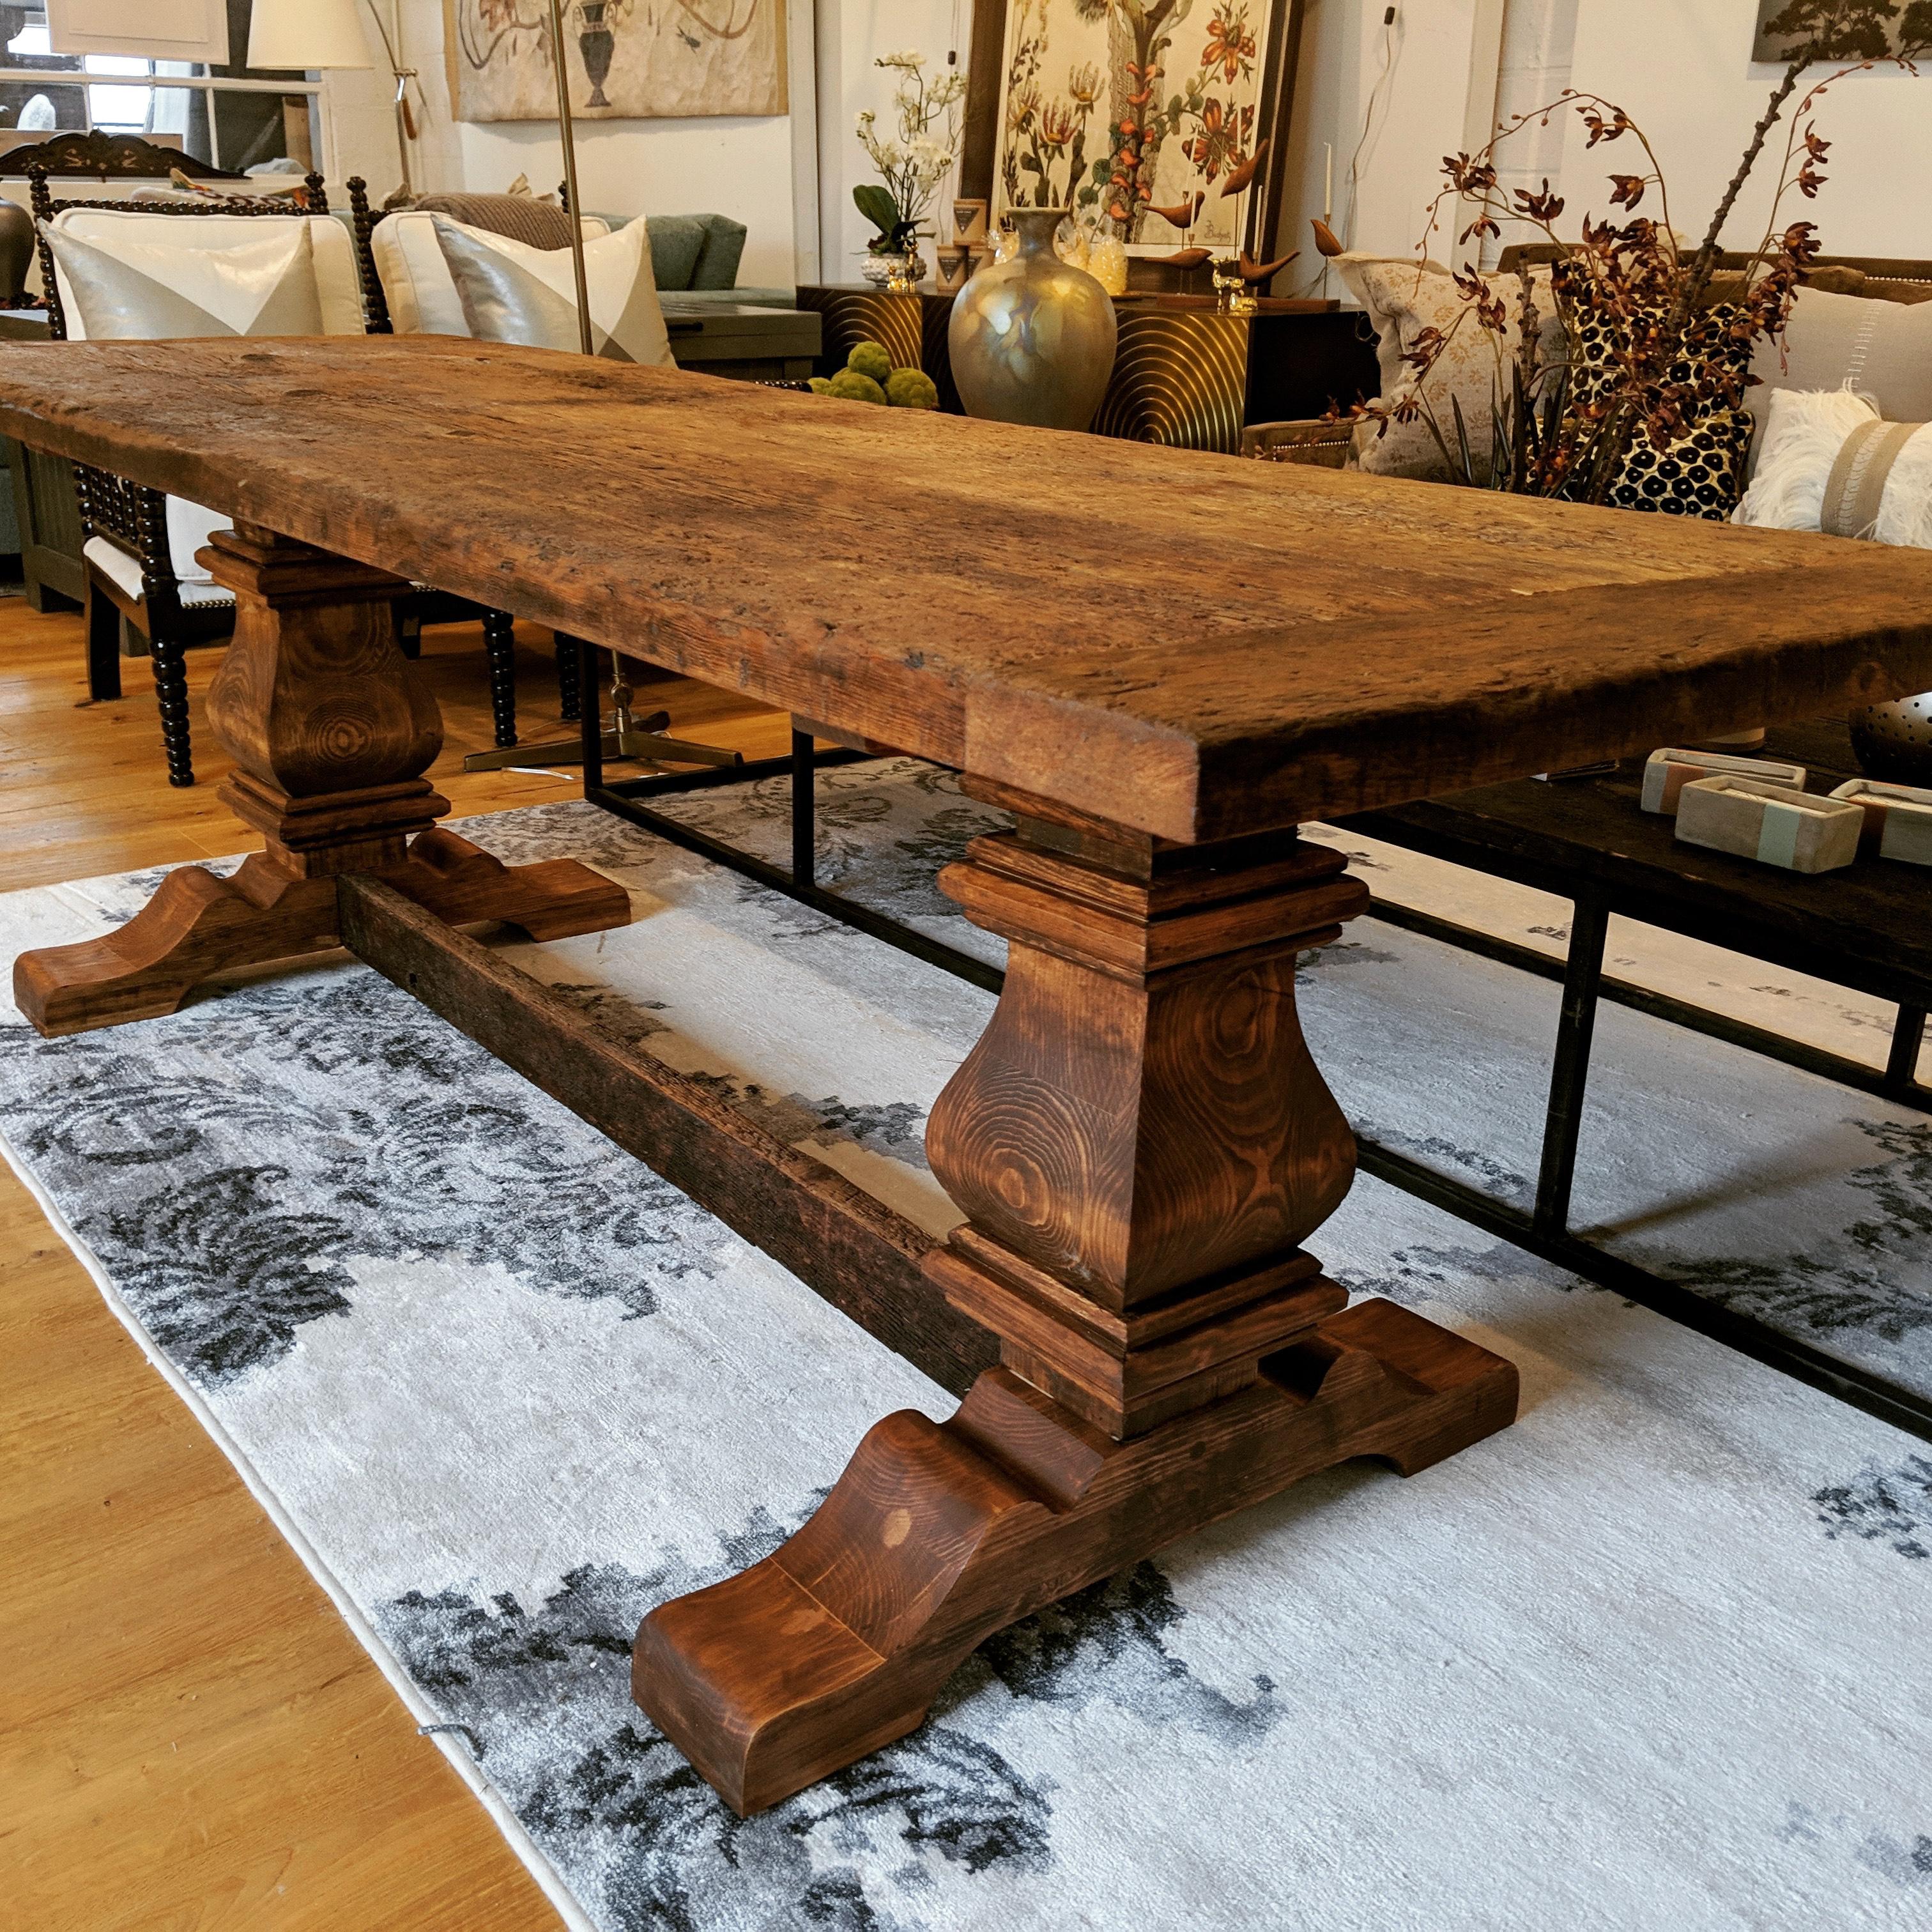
[1328,186]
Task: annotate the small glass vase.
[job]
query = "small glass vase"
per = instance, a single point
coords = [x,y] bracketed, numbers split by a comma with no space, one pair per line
[899,273]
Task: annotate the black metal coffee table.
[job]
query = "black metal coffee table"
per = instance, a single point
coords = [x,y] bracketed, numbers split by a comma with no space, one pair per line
[1868,928]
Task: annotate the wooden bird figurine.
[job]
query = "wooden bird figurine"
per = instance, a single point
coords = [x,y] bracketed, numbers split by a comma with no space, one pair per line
[1325,239]
[1246,172]
[1183,213]
[1187,258]
[1252,271]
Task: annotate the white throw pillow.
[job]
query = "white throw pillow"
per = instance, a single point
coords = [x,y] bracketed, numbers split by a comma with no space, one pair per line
[146,277]
[512,292]
[1882,349]
[416,281]
[1829,462]
[154,277]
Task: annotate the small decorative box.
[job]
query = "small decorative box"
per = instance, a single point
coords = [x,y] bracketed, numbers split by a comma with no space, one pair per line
[1898,820]
[1770,822]
[1665,773]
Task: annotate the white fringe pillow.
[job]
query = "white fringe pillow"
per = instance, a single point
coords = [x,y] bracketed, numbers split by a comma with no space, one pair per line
[1829,462]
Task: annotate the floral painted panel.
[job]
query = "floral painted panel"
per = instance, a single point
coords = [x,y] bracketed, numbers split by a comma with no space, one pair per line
[1142,112]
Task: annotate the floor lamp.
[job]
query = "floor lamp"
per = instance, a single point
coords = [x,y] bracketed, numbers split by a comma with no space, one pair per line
[638,740]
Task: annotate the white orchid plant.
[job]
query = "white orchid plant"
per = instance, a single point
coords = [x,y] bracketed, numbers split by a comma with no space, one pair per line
[912,164]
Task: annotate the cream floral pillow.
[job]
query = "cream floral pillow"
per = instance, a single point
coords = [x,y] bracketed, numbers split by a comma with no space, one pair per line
[1402,299]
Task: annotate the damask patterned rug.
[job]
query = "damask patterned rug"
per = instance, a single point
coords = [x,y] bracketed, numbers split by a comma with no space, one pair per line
[1650,1657]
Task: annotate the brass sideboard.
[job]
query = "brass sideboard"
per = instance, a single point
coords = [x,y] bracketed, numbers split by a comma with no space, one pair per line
[1184,375]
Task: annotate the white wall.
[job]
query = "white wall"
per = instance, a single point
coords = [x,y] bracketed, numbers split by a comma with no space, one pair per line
[744,168]
[1683,70]
[852,34]
[1430,57]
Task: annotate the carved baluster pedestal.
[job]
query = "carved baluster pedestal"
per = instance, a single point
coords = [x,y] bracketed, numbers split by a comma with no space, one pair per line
[1141,1143]
[331,729]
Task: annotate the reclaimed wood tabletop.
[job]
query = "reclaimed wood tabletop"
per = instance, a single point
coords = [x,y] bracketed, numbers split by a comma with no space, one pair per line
[1172,641]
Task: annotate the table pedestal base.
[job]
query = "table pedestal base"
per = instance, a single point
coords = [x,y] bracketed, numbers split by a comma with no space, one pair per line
[331,729]
[198,926]
[936,1535]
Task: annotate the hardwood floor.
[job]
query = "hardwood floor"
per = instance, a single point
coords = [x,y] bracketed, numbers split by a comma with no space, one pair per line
[190,1736]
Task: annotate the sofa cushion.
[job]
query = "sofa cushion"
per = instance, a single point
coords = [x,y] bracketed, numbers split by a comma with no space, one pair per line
[1698,472]
[1402,298]
[537,224]
[511,293]
[1830,462]
[677,242]
[415,278]
[147,276]
[1883,349]
[724,249]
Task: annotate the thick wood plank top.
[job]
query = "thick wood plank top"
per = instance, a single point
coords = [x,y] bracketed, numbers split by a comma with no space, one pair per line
[1184,643]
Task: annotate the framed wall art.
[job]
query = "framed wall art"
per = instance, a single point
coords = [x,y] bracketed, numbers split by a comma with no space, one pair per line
[626,59]
[1861,30]
[1144,112]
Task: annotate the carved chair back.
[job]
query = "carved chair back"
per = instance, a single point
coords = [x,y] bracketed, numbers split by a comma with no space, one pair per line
[133,518]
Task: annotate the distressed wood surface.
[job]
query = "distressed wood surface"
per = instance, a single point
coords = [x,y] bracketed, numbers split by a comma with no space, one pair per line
[1178,643]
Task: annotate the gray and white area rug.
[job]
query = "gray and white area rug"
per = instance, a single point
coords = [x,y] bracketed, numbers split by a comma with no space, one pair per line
[1653,1656]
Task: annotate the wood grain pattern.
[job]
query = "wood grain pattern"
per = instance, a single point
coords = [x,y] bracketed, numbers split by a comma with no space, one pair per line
[938,1534]
[190,1735]
[331,729]
[1141,1143]
[1329,643]
[1142,1113]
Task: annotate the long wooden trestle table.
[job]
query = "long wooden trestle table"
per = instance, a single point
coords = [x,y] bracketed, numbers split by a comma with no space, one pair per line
[1161,663]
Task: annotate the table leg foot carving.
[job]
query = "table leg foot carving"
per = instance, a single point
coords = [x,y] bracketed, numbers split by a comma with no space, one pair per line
[195,926]
[1141,1142]
[461,883]
[937,1535]
[331,729]
[198,926]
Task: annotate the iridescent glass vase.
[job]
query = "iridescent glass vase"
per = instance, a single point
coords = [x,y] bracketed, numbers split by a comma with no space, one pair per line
[1031,339]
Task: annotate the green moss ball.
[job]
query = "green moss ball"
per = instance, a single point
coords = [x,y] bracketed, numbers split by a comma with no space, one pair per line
[870,359]
[855,387]
[911,389]
[819,385]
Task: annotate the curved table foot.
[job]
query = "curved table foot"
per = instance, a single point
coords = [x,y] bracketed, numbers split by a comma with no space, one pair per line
[197,926]
[937,1535]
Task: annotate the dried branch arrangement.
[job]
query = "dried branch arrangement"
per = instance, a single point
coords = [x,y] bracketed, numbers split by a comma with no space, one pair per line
[1672,338]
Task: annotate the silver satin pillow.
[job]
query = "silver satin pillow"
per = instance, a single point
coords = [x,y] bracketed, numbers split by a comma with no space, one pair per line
[144,289]
[504,300]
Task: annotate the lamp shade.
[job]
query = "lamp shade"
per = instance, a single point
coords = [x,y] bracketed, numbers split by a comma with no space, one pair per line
[305,34]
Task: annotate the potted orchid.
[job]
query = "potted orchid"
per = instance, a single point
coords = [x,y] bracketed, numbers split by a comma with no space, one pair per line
[911,166]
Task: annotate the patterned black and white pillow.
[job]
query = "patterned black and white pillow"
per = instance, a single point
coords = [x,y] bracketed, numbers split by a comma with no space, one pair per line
[1700,473]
